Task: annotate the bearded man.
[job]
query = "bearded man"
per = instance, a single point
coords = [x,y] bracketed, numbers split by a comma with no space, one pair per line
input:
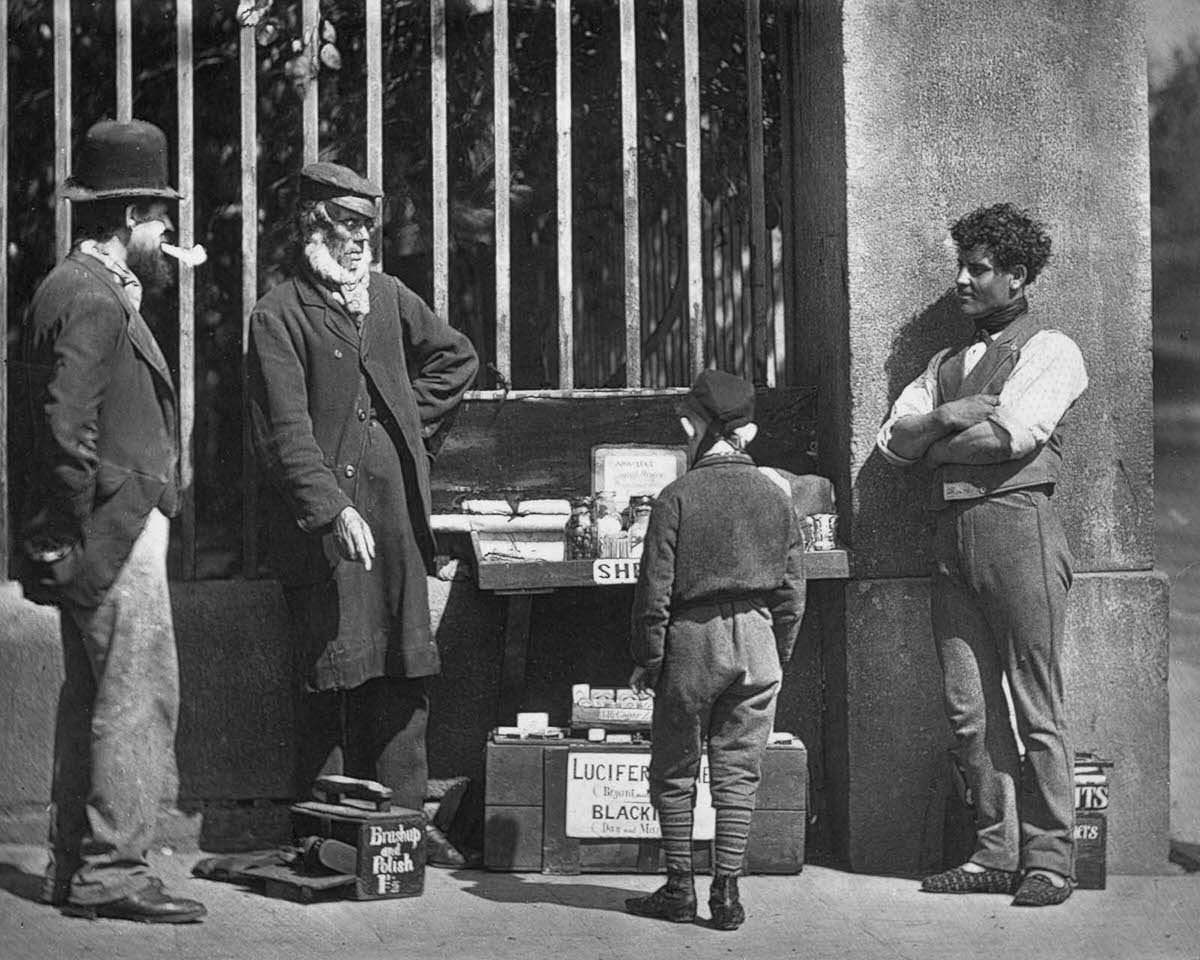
[350,375]
[100,481]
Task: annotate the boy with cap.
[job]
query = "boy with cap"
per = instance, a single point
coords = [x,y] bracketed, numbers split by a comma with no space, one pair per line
[716,612]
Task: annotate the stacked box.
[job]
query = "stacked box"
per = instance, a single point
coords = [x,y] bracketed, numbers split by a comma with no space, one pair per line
[1091,821]
[526,813]
[390,845]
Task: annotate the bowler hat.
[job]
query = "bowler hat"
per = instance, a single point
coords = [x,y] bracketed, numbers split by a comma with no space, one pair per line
[341,185]
[120,160]
[721,399]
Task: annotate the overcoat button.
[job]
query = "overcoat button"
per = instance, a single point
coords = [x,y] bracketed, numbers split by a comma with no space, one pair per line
[349,469]
[338,354]
[362,414]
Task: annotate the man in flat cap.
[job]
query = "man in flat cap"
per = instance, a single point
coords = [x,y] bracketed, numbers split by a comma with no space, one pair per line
[350,375]
[716,611]
[100,483]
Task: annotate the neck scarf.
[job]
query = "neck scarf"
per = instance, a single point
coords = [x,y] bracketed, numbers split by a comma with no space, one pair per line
[121,273]
[992,323]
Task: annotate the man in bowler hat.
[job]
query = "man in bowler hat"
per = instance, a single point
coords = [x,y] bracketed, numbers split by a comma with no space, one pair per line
[350,377]
[100,485]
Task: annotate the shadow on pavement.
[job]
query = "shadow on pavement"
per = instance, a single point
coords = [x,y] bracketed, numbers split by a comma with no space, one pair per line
[515,888]
[20,883]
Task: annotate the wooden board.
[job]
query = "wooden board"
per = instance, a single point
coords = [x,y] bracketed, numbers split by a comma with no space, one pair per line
[524,576]
[534,447]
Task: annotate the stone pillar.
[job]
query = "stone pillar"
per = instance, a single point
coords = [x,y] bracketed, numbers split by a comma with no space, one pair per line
[912,113]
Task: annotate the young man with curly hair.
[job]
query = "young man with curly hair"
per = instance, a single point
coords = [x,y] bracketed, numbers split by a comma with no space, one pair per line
[985,419]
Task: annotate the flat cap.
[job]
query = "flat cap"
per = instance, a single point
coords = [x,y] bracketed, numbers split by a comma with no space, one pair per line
[721,399]
[341,185]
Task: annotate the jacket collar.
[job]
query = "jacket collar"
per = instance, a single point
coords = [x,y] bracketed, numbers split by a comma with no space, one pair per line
[722,459]
[316,298]
[139,333]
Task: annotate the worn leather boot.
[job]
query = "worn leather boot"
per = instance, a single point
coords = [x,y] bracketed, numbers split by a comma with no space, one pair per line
[724,903]
[675,900]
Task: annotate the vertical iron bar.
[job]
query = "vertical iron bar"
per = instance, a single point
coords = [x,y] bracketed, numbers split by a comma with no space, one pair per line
[249,143]
[566,287]
[441,171]
[310,118]
[691,88]
[500,120]
[62,125]
[124,18]
[629,171]
[185,87]
[759,247]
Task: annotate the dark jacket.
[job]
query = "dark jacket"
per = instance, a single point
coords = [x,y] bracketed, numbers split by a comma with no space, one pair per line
[307,364]
[97,407]
[721,532]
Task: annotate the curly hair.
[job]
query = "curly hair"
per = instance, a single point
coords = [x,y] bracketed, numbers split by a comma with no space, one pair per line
[1011,236]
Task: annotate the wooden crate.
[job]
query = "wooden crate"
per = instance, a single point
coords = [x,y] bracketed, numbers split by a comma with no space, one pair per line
[525,810]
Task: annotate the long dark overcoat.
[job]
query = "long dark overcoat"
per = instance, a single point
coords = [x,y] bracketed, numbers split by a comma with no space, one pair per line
[341,417]
[95,434]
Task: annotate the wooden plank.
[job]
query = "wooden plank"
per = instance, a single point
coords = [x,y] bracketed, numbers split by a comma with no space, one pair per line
[516,576]
[441,171]
[62,125]
[503,146]
[4,392]
[629,177]
[248,67]
[691,91]
[566,287]
[374,41]
[515,657]
[560,853]
[310,114]
[124,65]
[186,215]
[523,446]
[759,246]
[788,105]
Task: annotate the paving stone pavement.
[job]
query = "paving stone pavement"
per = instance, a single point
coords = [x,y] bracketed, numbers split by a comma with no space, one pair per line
[463,915]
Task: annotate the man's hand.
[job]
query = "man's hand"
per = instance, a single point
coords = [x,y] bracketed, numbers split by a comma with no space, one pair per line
[354,538]
[961,414]
[643,679]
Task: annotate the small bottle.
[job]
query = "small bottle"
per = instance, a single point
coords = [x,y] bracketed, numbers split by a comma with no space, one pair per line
[639,512]
[578,542]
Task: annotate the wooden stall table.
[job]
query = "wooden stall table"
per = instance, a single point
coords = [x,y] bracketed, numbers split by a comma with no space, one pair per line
[522,580]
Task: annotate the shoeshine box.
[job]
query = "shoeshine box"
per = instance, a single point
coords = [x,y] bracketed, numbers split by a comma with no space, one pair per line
[390,844]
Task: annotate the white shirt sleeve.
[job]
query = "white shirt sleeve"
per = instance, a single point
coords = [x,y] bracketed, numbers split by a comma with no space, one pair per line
[918,398]
[1047,379]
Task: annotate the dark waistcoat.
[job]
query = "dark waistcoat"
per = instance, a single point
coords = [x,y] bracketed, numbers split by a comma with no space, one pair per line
[1040,467]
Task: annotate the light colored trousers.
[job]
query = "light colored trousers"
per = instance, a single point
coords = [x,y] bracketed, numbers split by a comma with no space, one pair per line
[114,751]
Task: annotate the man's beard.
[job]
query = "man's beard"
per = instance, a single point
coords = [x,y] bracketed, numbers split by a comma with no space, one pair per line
[326,257]
[151,266]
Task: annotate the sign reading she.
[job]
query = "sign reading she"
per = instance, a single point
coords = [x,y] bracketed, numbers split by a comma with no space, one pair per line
[605,572]
[608,797]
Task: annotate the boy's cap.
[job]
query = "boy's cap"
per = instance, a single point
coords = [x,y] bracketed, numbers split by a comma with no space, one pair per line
[722,398]
[340,185]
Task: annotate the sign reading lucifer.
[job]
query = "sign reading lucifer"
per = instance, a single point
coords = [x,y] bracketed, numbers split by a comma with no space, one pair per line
[608,798]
